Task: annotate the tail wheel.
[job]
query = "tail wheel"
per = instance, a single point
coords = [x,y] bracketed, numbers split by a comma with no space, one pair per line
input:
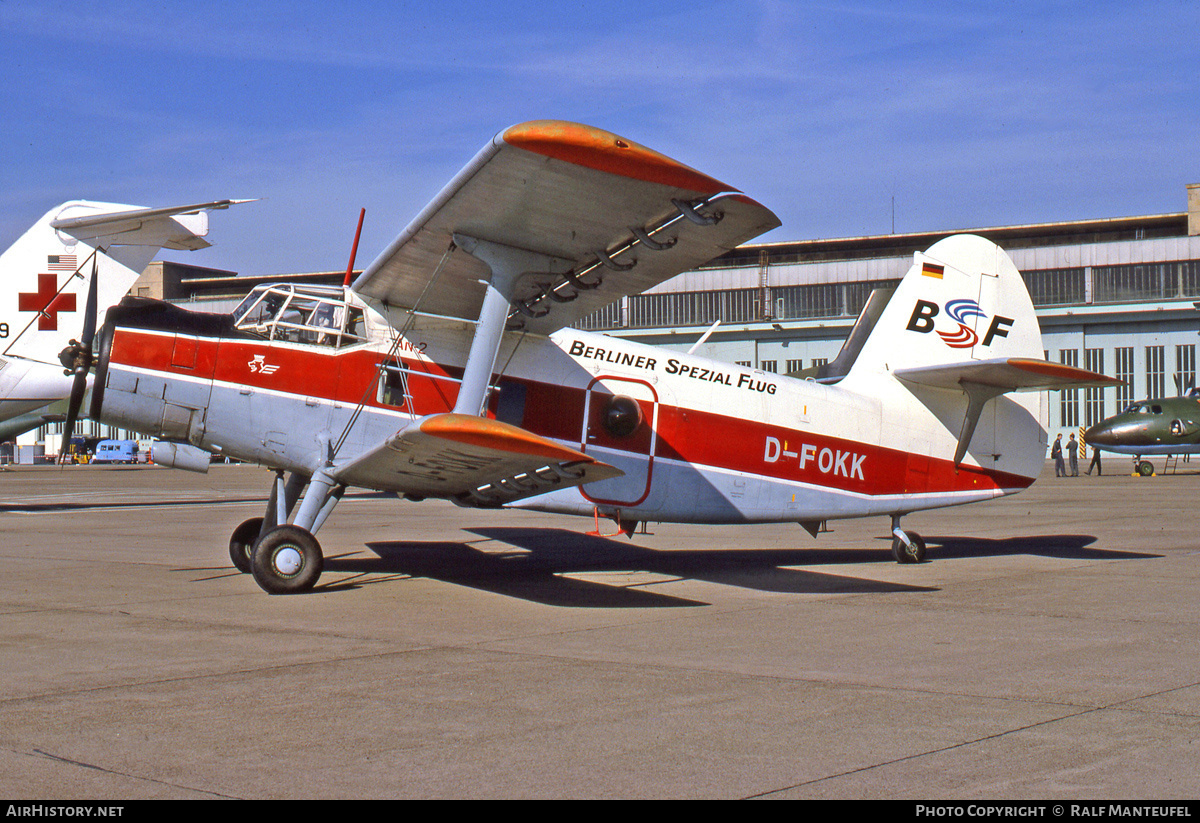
[241,543]
[905,553]
[287,560]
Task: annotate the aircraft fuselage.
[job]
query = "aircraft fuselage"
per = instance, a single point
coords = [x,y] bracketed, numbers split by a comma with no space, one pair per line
[701,441]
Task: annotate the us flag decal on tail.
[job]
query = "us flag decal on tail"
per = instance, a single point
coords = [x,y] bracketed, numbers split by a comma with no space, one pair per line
[62,262]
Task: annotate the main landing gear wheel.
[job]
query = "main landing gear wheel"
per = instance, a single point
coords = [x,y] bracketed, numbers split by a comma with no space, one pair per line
[241,543]
[287,560]
[905,553]
[1145,468]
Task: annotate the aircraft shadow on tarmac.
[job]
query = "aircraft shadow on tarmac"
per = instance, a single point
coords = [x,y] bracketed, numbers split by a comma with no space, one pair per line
[534,570]
[1062,546]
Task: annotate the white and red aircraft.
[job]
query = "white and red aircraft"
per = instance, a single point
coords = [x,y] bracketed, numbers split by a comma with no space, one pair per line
[448,369]
[81,255]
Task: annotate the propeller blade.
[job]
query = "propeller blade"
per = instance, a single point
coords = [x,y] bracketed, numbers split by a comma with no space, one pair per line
[89,319]
[80,356]
[77,389]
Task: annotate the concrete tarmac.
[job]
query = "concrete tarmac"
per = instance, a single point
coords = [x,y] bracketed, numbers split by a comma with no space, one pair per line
[1050,649]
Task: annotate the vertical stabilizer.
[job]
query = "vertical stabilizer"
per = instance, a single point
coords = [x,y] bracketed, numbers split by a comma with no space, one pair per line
[45,275]
[958,335]
[49,308]
[961,300]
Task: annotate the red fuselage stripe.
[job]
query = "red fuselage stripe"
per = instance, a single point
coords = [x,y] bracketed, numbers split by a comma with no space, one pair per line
[694,436]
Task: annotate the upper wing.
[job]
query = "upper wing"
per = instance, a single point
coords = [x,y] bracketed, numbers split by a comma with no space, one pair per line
[473,460]
[611,217]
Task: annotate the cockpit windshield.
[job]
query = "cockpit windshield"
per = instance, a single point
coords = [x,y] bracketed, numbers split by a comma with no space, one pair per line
[301,314]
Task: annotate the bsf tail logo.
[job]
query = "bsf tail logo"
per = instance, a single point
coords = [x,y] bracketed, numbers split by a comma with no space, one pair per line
[964,337]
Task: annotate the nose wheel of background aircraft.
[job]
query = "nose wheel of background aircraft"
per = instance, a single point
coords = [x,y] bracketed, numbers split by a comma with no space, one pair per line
[287,560]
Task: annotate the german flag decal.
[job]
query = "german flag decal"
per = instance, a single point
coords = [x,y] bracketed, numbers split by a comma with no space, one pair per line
[933,270]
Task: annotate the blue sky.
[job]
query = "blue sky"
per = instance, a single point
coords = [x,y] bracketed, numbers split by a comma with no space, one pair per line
[967,114]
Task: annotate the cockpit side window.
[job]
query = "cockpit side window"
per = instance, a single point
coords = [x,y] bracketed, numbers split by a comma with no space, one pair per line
[251,310]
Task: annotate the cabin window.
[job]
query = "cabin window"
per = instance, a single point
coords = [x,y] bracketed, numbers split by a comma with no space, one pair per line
[393,386]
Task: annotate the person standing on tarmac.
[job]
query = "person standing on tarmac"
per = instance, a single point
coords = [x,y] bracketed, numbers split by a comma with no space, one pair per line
[1056,452]
[1073,455]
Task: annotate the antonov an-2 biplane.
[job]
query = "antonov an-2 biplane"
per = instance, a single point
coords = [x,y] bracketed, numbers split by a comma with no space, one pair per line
[449,369]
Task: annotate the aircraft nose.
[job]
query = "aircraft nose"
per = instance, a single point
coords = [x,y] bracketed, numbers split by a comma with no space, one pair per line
[1120,433]
[1101,434]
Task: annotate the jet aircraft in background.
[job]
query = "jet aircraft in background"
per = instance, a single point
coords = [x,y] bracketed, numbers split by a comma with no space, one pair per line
[80,257]
[450,369]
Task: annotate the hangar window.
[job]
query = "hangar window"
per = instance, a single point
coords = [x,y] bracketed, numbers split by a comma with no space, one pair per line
[1185,368]
[1156,383]
[1069,400]
[825,299]
[609,317]
[1051,287]
[1124,373]
[693,308]
[1093,398]
[1145,281]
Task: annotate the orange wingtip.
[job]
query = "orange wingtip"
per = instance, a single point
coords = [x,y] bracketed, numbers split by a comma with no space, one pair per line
[492,434]
[604,151]
[1060,370]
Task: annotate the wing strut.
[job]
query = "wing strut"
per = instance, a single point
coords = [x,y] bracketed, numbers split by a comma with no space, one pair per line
[507,264]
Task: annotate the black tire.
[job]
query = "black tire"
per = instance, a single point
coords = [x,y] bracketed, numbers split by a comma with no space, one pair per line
[1145,468]
[241,543]
[287,560]
[905,554]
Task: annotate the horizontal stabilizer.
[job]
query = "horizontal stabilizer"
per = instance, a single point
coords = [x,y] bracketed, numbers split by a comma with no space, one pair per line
[22,423]
[177,227]
[983,380]
[1006,374]
[473,460]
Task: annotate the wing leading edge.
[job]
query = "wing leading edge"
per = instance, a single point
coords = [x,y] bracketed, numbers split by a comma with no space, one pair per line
[605,218]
